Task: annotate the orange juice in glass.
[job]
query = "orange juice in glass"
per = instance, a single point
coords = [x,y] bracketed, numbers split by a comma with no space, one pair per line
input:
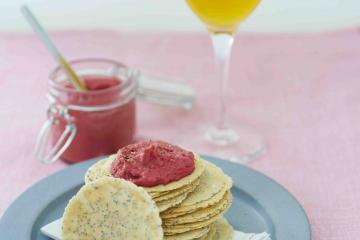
[222,18]
[222,15]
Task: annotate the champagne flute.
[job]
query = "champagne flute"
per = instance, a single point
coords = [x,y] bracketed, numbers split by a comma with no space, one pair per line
[222,18]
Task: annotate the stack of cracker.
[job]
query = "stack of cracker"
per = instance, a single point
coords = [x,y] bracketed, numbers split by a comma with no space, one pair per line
[190,208]
[196,217]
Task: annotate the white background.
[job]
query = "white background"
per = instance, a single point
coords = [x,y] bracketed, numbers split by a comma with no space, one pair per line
[173,15]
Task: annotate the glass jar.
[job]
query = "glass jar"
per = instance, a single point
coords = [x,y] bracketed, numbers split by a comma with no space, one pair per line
[86,124]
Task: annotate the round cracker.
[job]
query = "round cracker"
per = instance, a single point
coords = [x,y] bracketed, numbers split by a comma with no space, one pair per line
[194,234]
[180,228]
[111,208]
[166,204]
[224,231]
[174,193]
[210,235]
[212,181]
[202,214]
[199,168]
[211,189]
[99,170]
[183,211]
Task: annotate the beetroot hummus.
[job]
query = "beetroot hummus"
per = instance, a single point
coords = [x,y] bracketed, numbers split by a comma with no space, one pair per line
[151,163]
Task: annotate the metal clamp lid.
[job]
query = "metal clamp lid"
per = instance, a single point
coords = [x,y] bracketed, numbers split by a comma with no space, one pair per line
[55,112]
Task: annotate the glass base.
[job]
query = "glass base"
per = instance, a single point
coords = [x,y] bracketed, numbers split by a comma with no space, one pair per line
[221,137]
[239,145]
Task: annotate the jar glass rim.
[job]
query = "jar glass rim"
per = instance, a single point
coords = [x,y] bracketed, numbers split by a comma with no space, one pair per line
[126,90]
[60,87]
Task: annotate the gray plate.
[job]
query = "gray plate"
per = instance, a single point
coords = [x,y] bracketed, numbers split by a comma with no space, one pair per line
[260,204]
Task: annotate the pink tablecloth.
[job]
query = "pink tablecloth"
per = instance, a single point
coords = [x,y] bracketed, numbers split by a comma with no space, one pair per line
[301,91]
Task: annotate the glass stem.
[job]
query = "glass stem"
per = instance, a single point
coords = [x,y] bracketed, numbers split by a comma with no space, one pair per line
[222,45]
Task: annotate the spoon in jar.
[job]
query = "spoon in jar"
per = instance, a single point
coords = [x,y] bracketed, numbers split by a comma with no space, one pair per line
[152,89]
[44,37]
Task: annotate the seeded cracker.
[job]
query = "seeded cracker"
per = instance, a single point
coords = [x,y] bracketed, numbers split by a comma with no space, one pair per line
[99,170]
[210,235]
[224,230]
[202,214]
[195,234]
[211,189]
[199,168]
[166,204]
[181,228]
[111,209]
[174,193]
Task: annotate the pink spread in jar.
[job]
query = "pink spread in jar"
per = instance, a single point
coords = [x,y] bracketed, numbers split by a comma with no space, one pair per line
[104,115]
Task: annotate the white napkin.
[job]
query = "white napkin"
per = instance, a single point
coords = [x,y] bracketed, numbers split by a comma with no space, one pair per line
[250,236]
[53,230]
[161,91]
